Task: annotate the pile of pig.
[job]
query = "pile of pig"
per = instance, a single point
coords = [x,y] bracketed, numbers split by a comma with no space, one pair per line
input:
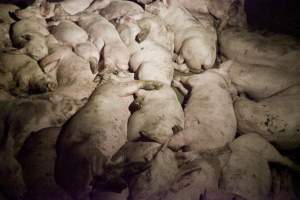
[145,100]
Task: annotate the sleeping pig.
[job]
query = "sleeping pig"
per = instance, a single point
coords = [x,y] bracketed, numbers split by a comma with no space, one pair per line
[25,73]
[278,51]
[276,118]
[210,121]
[195,44]
[96,132]
[259,81]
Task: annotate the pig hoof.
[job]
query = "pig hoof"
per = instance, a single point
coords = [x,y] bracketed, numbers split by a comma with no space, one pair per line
[153,85]
[52,86]
[141,36]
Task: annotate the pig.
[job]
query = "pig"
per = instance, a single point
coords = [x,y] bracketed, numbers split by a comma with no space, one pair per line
[17,126]
[247,172]
[155,41]
[159,123]
[195,45]
[259,81]
[29,34]
[98,5]
[73,74]
[228,12]
[25,73]
[66,7]
[5,21]
[118,9]
[205,128]
[5,10]
[148,168]
[45,111]
[128,30]
[37,158]
[89,52]
[91,137]
[5,41]
[107,40]
[276,118]
[278,51]
[194,178]
[69,33]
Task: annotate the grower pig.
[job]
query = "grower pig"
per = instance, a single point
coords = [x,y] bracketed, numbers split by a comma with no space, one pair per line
[161,68]
[128,30]
[247,172]
[160,123]
[194,44]
[278,51]
[66,7]
[52,110]
[275,118]
[26,73]
[73,74]
[29,34]
[155,29]
[5,41]
[210,121]
[89,52]
[98,5]
[118,9]
[69,33]
[5,10]
[155,41]
[229,12]
[5,21]
[96,132]
[259,81]
[148,167]
[195,177]
[106,39]
[37,158]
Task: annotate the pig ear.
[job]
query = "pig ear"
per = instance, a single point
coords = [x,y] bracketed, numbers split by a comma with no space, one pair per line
[50,67]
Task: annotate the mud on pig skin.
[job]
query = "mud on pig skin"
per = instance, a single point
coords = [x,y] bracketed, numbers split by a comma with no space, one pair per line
[275,118]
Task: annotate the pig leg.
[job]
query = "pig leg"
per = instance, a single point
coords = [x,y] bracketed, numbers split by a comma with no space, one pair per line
[50,62]
[177,84]
[181,68]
